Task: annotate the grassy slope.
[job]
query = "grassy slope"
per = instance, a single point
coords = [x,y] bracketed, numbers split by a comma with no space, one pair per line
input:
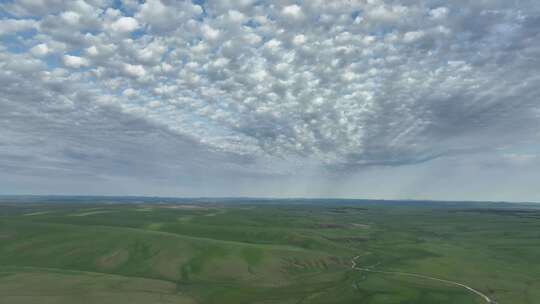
[270,254]
[21,285]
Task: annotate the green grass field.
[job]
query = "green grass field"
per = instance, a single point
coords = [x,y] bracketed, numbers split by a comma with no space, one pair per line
[271,252]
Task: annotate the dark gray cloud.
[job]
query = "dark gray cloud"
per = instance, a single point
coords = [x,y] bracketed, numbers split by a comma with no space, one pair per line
[230,92]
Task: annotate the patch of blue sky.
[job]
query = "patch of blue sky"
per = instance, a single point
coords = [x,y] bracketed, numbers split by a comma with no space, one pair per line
[251,23]
[136,34]
[199,2]
[52,62]
[126,11]
[75,52]
[17,43]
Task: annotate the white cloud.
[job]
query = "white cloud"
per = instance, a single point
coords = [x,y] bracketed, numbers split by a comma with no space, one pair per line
[129,92]
[92,51]
[385,13]
[33,7]
[153,11]
[413,36]
[299,39]
[134,70]
[154,104]
[438,13]
[236,16]
[292,11]
[75,62]
[39,50]
[12,26]
[125,25]
[209,32]
[152,52]
[520,158]
[163,18]
[71,18]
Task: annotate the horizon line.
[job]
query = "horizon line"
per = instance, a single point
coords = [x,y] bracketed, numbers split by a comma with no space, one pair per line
[267,198]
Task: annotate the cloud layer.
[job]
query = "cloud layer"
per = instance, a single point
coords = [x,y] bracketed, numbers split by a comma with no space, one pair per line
[263,89]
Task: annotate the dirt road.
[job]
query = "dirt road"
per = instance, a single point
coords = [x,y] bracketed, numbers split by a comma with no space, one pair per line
[367,269]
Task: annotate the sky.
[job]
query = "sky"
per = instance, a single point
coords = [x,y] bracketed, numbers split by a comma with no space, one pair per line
[398,99]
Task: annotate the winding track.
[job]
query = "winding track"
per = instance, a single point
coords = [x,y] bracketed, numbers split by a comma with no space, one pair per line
[485,297]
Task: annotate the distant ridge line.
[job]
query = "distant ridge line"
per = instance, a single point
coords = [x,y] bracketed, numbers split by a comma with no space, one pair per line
[246,199]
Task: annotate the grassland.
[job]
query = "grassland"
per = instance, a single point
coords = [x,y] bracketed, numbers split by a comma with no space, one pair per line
[266,252]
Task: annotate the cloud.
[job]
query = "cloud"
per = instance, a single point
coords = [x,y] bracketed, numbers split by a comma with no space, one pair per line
[155,13]
[292,11]
[209,33]
[71,18]
[438,13]
[520,159]
[412,36]
[166,16]
[25,8]
[386,13]
[75,61]
[125,25]
[13,26]
[338,86]
[134,70]
[39,50]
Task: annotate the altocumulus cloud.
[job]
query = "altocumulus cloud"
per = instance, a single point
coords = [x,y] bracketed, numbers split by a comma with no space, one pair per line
[186,93]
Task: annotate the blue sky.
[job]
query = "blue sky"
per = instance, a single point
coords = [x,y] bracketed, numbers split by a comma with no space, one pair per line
[370,99]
